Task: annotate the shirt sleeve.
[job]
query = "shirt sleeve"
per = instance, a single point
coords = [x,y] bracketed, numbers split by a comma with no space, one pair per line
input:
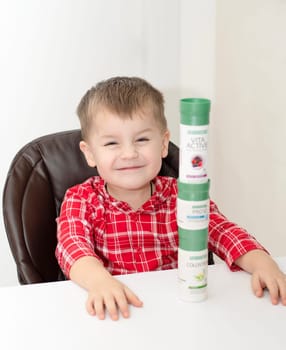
[74,231]
[228,240]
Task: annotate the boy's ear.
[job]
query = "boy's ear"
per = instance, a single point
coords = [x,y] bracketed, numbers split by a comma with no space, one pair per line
[84,147]
[165,144]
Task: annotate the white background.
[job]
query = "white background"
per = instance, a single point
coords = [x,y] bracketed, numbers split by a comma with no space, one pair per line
[231,52]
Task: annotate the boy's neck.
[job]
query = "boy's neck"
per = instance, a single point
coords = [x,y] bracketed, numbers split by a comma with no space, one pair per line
[135,198]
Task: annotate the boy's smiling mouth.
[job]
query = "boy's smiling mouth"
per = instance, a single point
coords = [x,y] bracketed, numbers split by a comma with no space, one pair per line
[132,167]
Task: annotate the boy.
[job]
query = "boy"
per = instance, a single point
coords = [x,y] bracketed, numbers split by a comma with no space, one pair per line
[124,220]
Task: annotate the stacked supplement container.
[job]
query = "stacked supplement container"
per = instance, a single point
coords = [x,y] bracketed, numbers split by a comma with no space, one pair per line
[193,199]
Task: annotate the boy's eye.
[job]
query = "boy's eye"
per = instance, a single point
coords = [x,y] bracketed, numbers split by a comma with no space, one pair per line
[111,143]
[142,139]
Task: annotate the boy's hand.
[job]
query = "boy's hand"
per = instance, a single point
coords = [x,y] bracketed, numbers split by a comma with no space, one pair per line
[105,293]
[265,274]
[112,296]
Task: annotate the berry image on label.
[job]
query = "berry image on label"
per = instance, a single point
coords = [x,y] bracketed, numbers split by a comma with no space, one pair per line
[197,162]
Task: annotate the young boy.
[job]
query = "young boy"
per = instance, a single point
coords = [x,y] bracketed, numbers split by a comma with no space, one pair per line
[124,220]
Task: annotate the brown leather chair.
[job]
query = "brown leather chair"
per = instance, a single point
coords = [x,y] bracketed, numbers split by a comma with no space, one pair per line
[37,180]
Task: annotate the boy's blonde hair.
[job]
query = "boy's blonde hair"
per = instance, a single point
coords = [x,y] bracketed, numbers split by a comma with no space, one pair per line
[123,96]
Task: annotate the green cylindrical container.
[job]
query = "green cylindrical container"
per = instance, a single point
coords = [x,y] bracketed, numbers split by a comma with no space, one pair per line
[195,111]
[193,264]
[194,122]
[193,205]
[193,240]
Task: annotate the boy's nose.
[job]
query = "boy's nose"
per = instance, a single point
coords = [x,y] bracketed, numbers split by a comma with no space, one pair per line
[129,152]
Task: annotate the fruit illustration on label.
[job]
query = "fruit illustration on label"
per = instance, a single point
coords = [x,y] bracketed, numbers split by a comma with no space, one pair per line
[200,277]
[197,162]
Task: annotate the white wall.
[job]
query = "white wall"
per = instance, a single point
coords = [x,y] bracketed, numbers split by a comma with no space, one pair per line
[53,51]
[249,118]
[230,51]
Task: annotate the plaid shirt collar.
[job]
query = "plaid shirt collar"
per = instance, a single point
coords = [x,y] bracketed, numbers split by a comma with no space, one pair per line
[161,193]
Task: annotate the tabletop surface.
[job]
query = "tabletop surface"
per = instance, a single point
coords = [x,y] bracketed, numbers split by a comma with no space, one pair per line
[53,316]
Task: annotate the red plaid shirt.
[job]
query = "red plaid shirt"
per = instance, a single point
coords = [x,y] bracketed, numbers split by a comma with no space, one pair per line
[92,223]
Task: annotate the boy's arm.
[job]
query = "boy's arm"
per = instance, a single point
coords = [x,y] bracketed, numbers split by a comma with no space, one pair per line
[104,291]
[228,240]
[78,260]
[240,250]
[265,274]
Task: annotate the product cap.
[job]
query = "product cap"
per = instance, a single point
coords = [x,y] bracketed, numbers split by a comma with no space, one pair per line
[195,111]
[193,192]
[194,240]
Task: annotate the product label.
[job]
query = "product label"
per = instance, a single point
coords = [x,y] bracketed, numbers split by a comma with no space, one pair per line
[193,153]
[193,215]
[192,270]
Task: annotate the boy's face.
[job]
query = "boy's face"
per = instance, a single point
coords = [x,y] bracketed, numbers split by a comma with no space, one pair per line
[127,152]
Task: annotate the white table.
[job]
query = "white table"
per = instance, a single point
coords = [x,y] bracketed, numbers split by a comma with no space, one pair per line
[53,316]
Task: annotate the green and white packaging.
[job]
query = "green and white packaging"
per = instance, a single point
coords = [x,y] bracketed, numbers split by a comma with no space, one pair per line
[193,264]
[194,122]
[193,205]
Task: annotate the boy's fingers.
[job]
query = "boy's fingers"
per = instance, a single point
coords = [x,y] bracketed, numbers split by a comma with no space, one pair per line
[122,304]
[89,308]
[96,307]
[132,298]
[273,291]
[125,297]
[282,289]
[271,285]
[111,307]
[256,286]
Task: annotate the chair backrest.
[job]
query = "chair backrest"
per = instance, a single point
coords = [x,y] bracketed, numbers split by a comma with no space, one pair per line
[37,180]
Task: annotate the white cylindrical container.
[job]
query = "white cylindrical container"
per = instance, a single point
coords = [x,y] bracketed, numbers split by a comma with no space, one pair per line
[194,123]
[193,205]
[193,265]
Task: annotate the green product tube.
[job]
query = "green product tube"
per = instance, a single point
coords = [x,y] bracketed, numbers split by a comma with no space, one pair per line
[193,264]
[193,205]
[194,123]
